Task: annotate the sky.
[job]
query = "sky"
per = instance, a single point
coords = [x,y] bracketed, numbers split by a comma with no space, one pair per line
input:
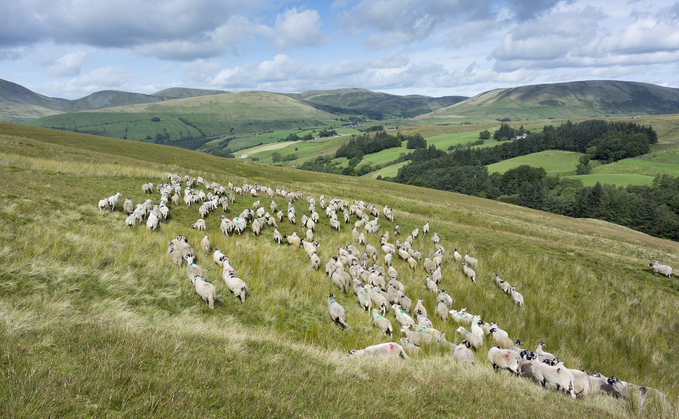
[71,48]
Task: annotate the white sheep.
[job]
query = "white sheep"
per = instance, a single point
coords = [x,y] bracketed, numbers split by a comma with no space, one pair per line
[422,320]
[557,375]
[457,256]
[417,338]
[461,316]
[469,272]
[502,341]
[429,266]
[128,206]
[475,340]
[462,353]
[436,238]
[473,262]
[420,306]
[518,298]
[218,258]
[336,311]
[192,269]
[401,317]
[411,349]
[226,226]
[236,285]
[382,323]
[541,354]
[505,359]
[378,299]
[315,261]
[205,243]
[205,290]
[130,220]
[200,225]
[444,298]
[152,222]
[580,382]
[436,276]
[175,255]
[382,350]
[442,311]
[661,269]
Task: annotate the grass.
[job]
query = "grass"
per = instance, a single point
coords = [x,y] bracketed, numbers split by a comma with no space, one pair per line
[94,321]
[553,161]
[389,171]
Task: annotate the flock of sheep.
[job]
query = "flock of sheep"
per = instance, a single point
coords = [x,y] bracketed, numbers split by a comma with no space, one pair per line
[376,288]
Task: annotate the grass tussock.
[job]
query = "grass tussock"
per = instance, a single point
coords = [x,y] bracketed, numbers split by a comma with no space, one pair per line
[94,320]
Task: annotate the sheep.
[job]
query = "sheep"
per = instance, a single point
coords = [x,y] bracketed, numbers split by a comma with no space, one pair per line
[422,320]
[205,243]
[405,302]
[661,269]
[526,368]
[518,298]
[436,276]
[425,229]
[236,285]
[378,299]
[397,229]
[402,317]
[200,225]
[429,266]
[444,298]
[202,211]
[175,255]
[394,294]
[397,284]
[293,239]
[128,206]
[341,279]
[336,311]
[580,382]
[309,235]
[461,316]
[239,225]
[436,238]
[558,376]
[130,220]
[420,306]
[611,386]
[504,285]
[475,340]
[542,355]
[457,256]
[410,348]
[469,272]
[336,225]
[152,222]
[463,354]
[226,226]
[417,338]
[498,332]
[412,263]
[382,350]
[217,257]
[505,359]
[473,262]
[192,269]
[442,311]
[502,341]
[383,323]
[113,200]
[476,328]
[205,290]
[256,227]
[184,247]
[277,237]
[372,251]
[315,261]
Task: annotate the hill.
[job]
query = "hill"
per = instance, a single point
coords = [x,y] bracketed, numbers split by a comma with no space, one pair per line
[193,122]
[351,100]
[565,100]
[95,321]
[18,104]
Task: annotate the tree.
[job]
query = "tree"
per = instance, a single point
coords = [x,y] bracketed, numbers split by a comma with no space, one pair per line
[276,157]
[484,135]
[583,168]
[416,141]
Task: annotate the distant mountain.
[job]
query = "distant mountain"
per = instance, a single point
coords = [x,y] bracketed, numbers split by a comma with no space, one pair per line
[566,100]
[19,104]
[366,101]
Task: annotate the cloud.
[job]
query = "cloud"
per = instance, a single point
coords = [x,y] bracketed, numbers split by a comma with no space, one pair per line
[295,28]
[68,65]
[102,78]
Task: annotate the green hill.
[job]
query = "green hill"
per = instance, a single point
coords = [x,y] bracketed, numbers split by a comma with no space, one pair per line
[192,122]
[565,100]
[95,321]
[349,100]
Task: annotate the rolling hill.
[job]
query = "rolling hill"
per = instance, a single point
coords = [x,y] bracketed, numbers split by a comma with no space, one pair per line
[350,100]
[96,321]
[565,100]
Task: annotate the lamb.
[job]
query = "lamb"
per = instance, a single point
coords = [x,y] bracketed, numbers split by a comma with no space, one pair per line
[419,306]
[504,285]
[473,262]
[518,298]
[542,355]
[226,226]
[293,239]
[410,348]
[558,376]
[661,269]
[202,211]
[442,311]
[383,323]
[505,359]
[236,285]
[192,269]
[256,227]
[429,266]
[402,317]
[422,320]
[580,382]
[378,299]
[175,255]
[463,354]
[444,298]
[200,225]
[239,225]
[205,243]
[412,263]
[113,200]
[315,261]
[425,229]
[397,229]
[475,340]
[218,257]
[382,350]
[436,238]
[394,294]
[130,220]
[405,302]
[457,256]
[336,312]
[372,251]
[436,276]
[469,272]
[417,338]
[277,237]
[526,369]
[397,284]
[461,316]
[205,290]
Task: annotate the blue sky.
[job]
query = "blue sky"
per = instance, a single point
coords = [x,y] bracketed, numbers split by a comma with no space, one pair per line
[71,48]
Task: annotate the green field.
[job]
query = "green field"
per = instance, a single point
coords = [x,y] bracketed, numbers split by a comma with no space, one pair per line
[96,322]
[389,171]
[553,161]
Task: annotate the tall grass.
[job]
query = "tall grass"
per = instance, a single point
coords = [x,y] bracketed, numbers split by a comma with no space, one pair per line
[94,320]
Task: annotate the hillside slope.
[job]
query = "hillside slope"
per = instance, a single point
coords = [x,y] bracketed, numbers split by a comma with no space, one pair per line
[95,321]
[566,100]
[382,103]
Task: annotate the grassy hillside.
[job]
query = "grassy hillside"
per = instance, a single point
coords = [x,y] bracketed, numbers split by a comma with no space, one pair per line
[94,320]
[565,100]
[383,103]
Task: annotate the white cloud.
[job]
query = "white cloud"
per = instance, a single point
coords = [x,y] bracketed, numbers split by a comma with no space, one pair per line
[102,78]
[68,65]
[295,28]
